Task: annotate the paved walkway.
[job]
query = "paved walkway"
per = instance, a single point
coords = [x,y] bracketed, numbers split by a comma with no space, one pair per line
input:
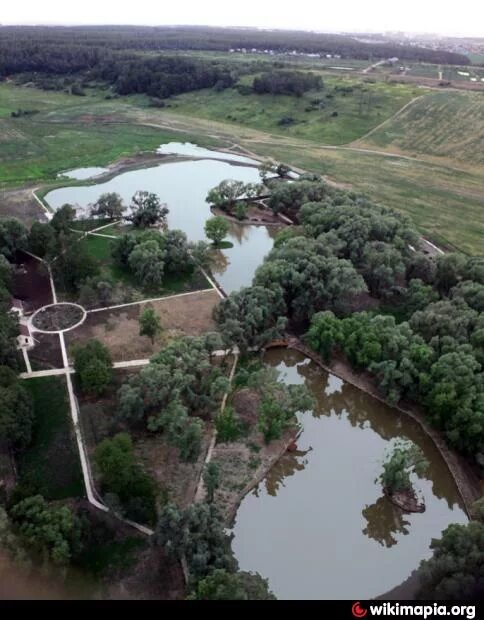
[147,301]
[200,492]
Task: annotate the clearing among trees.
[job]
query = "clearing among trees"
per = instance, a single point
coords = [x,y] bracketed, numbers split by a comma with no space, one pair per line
[119,329]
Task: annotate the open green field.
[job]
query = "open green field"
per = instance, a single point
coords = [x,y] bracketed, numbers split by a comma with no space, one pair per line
[100,249]
[51,464]
[344,110]
[287,59]
[443,191]
[476,58]
[463,74]
[446,205]
[446,124]
[68,132]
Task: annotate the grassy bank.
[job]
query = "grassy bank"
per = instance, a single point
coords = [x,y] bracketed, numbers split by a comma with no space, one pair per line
[344,110]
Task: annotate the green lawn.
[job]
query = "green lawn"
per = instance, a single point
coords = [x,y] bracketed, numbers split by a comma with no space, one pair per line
[343,111]
[51,464]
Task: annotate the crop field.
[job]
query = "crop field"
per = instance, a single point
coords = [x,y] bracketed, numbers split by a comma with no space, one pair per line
[287,59]
[445,204]
[445,124]
[463,74]
[344,110]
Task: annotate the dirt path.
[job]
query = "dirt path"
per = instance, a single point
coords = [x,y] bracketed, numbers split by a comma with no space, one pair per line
[373,66]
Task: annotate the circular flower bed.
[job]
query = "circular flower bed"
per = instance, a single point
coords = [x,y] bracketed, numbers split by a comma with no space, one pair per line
[58,317]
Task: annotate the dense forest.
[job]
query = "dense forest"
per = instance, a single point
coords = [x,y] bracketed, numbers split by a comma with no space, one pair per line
[351,277]
[70,49]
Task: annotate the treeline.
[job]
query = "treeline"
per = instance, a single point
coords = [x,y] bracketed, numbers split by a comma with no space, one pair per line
[286,83]
[207,38]
[127,73]
[163,76]
[352,270]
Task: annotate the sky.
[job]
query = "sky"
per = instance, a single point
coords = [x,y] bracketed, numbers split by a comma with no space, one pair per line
[465,18]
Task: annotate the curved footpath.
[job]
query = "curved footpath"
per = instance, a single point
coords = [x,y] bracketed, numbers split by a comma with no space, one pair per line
[466,480]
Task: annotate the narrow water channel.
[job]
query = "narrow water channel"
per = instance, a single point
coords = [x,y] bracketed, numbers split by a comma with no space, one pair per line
[318,526]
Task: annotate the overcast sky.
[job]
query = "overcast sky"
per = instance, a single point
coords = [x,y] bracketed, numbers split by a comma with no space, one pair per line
[437,16]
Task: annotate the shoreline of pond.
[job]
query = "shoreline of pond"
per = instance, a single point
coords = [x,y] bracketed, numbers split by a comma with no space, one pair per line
[138,161]
[463,474]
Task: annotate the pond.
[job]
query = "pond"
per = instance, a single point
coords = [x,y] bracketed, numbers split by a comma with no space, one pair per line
[184,186]
[81,174]
[318,526]
[193,150]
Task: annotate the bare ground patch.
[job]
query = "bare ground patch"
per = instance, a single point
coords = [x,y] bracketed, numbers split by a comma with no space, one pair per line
[178,479]
[21,204]
[31,283]
[118,329]
[47,352]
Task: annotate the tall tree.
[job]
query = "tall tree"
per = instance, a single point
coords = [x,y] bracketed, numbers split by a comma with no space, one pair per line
[93,366]
[216,229]
[109,205]
[149,323]
[148,210]
[122,477]
[251,317]
[221,585]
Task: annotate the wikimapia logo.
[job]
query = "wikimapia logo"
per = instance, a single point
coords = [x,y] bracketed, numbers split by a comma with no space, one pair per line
[413,609]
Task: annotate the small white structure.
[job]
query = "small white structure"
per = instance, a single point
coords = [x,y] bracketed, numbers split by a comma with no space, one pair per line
[25,340]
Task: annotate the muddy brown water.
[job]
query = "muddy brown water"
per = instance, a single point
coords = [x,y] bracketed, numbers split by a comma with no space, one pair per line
[318,526]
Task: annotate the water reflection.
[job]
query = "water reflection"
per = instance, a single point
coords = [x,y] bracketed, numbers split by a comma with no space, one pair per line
[287,466]
[184,185]
[384,521]
[318,526]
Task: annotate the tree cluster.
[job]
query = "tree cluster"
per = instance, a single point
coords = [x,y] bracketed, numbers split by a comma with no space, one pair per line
[456,569]
[93,366]
[403,460]
[126,487]
[436,358]
[16,411]
[180,385]
[51,533]
[196,535]
[153,255]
